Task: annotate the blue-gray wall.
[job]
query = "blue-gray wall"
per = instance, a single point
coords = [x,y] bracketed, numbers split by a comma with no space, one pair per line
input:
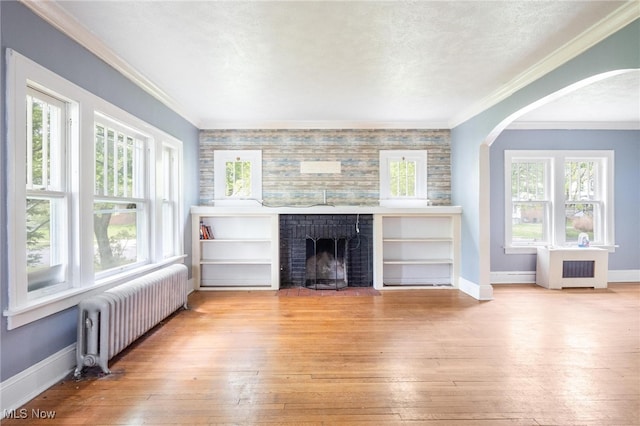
[619,51]
[26,33]
[625,143]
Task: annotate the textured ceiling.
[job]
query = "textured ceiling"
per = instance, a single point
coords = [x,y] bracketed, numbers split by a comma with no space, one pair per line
[613,100]
[357,63]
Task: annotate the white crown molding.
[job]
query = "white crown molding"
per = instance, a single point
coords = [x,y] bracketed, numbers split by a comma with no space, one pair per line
[51,12]
[609,25]
[574,125]
[308,124]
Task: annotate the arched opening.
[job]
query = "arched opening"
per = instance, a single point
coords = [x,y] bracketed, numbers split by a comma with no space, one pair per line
[574,91]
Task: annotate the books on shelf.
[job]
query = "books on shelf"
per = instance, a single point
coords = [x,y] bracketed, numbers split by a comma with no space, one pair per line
[206,233]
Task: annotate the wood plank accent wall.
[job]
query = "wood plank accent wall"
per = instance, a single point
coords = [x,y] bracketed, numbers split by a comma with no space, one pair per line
[357,151]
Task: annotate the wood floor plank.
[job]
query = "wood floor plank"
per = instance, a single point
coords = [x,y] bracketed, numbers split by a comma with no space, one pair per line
[529,357]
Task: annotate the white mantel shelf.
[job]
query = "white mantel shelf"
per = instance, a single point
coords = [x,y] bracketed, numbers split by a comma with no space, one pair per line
[325,209]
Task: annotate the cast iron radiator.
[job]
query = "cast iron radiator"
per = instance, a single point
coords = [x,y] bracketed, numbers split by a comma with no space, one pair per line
[111,321]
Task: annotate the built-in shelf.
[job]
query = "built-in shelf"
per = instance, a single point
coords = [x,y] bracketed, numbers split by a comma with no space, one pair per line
[419,262]
[416,250]
[243,252]
[412,248]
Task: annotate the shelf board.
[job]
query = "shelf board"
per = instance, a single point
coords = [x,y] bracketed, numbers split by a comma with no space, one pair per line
[444,283]
[236,262]
[236,240]
[418,240]
[418,262]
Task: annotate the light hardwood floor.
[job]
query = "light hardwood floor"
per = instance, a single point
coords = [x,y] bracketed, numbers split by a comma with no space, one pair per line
[529,357]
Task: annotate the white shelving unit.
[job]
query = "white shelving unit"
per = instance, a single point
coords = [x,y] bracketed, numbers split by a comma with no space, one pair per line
[416,250]
[243,253]
[412,247]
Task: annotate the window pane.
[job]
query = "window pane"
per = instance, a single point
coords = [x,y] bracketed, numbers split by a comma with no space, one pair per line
[238,179]
[119,163]
[579,218]
[168,226]
[44,142]
[527,181]
[115,235]
[579,180]
[403,178]
[44,243]
[528,223]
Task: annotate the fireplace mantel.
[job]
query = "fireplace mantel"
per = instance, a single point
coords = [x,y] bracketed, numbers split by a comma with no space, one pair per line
[413,247]
[324,209]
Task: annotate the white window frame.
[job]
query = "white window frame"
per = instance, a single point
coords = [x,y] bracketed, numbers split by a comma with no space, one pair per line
[141,198]
[554,181]
[419,156]
[220,158]
[82,105]
[45,192]
[170,195]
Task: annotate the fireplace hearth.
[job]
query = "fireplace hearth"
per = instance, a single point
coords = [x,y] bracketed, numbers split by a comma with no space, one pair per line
[326,251]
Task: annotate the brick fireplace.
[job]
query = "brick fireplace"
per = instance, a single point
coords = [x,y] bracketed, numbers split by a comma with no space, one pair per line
[326,251]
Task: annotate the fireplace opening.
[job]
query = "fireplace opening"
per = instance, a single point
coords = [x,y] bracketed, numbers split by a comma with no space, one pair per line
[326,264]
[321,251]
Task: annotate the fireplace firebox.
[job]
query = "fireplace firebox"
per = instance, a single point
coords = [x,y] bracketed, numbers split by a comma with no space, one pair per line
[326,251]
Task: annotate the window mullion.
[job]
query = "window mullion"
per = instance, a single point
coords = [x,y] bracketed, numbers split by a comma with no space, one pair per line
[45,146]
[29,142]
[125,167]
[114,177]
[406,178]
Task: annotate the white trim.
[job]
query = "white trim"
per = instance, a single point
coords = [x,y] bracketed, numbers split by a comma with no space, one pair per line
[21,73]
[513,277]
[46,306]
[220,158]
[322,124]
[477,291]
[574,125]
[624,276]
[554,161]
[607,26]
[420,157]
[529,277]
[26,385]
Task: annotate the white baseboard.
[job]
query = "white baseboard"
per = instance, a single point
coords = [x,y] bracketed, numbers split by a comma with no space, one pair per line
[513,277]
[480,292]
[529,277]
[26,385]
[624,276]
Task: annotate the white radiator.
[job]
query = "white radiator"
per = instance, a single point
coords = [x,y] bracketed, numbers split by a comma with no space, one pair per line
[110,321]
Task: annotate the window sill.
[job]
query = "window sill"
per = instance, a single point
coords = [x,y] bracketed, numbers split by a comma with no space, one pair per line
[58,302]
[534,249]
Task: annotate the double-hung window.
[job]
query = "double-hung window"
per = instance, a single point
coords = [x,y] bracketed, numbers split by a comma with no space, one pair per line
[554,197]
[47,193]
[93,194]
[170,198]
[121,201]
